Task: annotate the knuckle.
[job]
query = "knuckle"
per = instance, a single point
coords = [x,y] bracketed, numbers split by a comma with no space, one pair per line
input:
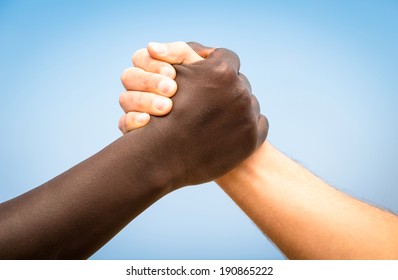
[244,79]
[130,121]
[251,133]
[245,105]
[131,101]
[254,103]
[148,82]
[244,91]
[225,72]
[154,65]
[183,46]
[181,49]
[149,101]
[138,100]
[253,138]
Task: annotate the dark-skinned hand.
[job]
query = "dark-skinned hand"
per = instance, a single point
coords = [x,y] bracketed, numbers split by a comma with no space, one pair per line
[215,122]
[214,125]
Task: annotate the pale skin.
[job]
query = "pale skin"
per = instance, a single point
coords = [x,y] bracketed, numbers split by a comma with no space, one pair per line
[305,217]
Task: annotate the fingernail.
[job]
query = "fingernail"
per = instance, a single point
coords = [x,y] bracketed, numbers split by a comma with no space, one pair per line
[142,118]
[158,48]
[166,85]
[167,71]
[161,103]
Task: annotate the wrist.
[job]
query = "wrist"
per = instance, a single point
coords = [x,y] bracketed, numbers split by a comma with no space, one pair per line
[141,161]
[261,162]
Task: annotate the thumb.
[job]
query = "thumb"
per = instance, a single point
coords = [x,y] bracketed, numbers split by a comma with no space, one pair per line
[173,53]
[201,50]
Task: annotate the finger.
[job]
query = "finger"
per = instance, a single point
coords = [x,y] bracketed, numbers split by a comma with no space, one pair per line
[201,50]
[263,127]
[173,53]
[255,105]
[147,102]
[143,60]
[136,79]
[133,120]
[246,81]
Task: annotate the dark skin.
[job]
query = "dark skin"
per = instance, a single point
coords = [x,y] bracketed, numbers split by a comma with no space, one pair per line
[215,124]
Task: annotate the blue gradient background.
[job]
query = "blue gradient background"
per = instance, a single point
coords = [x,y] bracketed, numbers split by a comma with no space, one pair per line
[325,73]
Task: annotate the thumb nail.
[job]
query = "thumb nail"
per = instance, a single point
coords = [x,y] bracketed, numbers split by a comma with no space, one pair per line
[158,48]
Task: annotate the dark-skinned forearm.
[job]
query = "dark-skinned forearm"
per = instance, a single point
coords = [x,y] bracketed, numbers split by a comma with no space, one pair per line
[74,214]
[215,124]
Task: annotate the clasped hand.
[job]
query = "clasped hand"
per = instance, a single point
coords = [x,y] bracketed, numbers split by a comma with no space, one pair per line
[213,120]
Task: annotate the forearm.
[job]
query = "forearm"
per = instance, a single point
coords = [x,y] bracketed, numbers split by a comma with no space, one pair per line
[73,215]
[303,216]
[77,212]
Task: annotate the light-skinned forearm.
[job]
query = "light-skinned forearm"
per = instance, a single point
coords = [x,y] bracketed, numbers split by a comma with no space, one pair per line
[305,217]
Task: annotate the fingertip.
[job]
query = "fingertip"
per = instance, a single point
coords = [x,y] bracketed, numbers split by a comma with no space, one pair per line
[255,105]
[121,124]
[168,87]
[162,105]
[134,120]
[141,119]
[125,74]
[174,53]
[168,71]
[226,56]
[158,48]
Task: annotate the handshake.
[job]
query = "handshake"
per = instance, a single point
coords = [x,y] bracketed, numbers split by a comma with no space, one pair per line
[213,121]
[214,125]
[190,118]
